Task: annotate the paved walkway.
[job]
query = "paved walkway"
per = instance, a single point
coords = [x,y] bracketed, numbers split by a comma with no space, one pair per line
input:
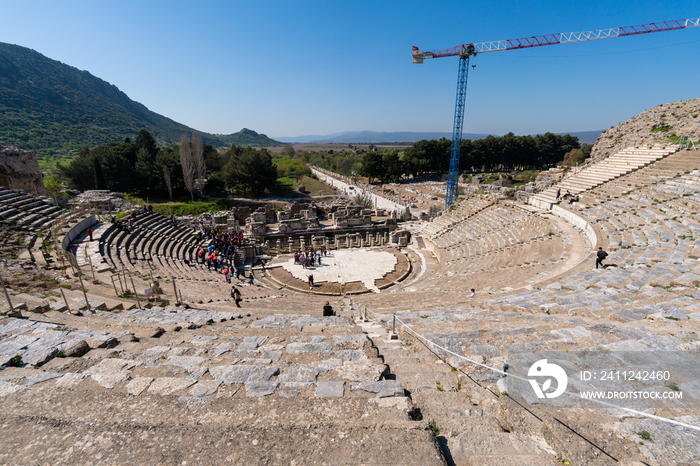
[380,202]
[346,266]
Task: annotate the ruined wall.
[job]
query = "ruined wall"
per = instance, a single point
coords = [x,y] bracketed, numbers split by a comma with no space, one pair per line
[20,170]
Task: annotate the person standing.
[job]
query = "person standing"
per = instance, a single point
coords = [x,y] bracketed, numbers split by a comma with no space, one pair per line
[600,257]
[89,232]
[311,281]
[236,295]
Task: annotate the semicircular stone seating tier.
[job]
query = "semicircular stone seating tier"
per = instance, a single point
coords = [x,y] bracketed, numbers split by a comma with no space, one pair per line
[493,245]
[23,210]
[649,222]
[153,246]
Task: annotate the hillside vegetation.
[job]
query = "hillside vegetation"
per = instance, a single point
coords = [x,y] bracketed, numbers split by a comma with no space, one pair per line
[56,109]
[673,123]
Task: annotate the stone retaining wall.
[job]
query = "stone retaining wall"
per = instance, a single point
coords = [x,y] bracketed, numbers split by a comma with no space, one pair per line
[76,230]
[578,221]
[20,170]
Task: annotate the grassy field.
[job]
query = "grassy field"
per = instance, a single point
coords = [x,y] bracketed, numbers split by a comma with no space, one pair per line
[180,207]
[312,185]
[185,206]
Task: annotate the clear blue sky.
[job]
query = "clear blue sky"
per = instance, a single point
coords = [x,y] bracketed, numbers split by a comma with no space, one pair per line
[288,68]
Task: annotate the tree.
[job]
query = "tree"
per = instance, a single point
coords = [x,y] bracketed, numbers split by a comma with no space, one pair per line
[145,141]
[391,167]
[288,150]
[53,188]
[198,157]
[80,172]
[170,157]
[372,166]
[249,171]
[213,159]
[100,182]
[146,170]
[187,162]
[118,171]
[168,181]
[573,157]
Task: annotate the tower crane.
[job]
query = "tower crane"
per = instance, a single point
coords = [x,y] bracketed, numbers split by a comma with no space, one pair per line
[465,51]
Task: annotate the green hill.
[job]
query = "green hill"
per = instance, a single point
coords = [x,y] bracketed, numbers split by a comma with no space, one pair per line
[56,109]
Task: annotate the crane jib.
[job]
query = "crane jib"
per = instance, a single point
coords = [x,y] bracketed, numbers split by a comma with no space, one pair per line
[535,41]
[652,27]
[464,51]
[554,39]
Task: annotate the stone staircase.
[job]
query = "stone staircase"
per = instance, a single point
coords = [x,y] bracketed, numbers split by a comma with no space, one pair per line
[614,166]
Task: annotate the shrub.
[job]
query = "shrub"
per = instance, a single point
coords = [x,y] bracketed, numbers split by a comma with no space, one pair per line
[16,361]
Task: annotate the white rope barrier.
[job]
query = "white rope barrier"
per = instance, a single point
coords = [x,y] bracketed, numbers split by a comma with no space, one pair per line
[567,392]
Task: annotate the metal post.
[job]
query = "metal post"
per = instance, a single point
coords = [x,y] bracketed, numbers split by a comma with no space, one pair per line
[181,300]
[116,293]
[92,269]
[80,276]
[64,299]
[7,295]
[135,292]
[126,286]
[175,289]
[393,325]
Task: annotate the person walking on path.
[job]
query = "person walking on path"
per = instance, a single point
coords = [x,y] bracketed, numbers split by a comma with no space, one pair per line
[89,232]
[600,257]
[311,282]
[236,295]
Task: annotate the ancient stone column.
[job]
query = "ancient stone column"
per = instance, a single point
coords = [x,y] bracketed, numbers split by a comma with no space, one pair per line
[362,241]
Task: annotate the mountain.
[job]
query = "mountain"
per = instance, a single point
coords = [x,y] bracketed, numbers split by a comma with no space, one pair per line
[403,136]
[56,109]
[374,136]
[245,137]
